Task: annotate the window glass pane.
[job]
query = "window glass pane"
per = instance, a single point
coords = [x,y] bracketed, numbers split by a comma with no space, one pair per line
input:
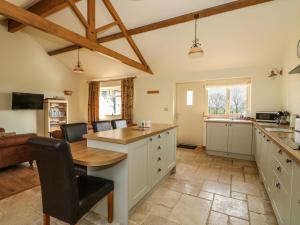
[238,99]
[110,101]
[216,100]
[189,97]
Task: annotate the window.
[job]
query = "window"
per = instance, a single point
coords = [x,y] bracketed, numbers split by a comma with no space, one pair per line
[227,101]
[110,101]
[189,97]
[216,101]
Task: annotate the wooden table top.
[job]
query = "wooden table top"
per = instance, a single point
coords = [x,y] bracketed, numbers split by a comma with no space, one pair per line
[85,156]
[129,134]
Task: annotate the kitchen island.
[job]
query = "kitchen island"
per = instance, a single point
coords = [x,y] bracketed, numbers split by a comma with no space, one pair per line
[151,155]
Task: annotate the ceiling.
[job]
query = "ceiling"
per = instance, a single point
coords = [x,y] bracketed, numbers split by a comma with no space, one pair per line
[248,37]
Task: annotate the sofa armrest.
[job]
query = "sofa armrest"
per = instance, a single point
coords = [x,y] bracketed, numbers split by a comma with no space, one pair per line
[19,139]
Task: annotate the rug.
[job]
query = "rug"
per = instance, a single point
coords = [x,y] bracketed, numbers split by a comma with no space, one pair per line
[16,179]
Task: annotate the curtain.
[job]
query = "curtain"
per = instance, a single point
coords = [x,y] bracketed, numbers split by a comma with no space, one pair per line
[127,90]
[93,105]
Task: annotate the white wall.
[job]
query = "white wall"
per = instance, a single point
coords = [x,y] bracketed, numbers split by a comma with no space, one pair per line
[26,67]
[266,92]
[291,95]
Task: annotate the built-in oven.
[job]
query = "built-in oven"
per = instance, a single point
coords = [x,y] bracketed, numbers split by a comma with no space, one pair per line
[268,117]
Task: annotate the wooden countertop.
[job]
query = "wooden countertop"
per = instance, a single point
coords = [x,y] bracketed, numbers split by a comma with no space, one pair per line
[85,156]
[278,137]
[129,134]
[237,121]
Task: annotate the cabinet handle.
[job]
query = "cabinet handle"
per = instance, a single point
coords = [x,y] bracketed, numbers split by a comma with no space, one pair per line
[288,161]
[279,168]
[280,152]
[159,136]
[168,132]
[158,159]
[278,185]
[264,136]
[158,147]
[159,170]
[150,139]
[268,140]
[259,132]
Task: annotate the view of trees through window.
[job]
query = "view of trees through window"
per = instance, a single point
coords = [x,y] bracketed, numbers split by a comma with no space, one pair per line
[227,100]
[110,101]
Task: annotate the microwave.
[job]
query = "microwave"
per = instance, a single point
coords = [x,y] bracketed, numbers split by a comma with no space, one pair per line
[268,117]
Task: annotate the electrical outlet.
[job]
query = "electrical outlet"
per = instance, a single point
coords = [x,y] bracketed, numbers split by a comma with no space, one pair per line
[166,109]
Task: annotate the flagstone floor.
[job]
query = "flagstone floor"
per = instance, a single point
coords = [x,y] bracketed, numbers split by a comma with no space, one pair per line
[205,190]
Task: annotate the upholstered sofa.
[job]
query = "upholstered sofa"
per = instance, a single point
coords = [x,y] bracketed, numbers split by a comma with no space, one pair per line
[14,149]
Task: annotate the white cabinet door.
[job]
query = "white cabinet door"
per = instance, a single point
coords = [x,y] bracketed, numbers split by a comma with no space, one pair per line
[240,139]
[170,149]
[139,173]
[295,209]
[217,137]
[258,140]
[266,163]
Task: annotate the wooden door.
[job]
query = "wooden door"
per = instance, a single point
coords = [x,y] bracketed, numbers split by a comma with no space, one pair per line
[189,113]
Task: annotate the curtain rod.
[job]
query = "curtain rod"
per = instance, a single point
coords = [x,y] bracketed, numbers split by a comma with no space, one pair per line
[112,79]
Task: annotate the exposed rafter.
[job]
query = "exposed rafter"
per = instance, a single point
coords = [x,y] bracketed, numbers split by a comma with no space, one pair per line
[78,13]
[106,27]
[239,4]
[23,16]
[42,8]
[91,15]
[122,27]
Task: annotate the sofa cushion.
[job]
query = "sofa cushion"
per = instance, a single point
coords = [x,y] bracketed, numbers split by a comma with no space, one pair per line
[14,140]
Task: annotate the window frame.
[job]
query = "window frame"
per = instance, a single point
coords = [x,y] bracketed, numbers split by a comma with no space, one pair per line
[109,90]
[227,113]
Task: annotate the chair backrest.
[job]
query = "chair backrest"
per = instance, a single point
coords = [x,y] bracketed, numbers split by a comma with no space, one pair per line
[57,176]
[101,125]
[56,134]
[74,131]
[120,123]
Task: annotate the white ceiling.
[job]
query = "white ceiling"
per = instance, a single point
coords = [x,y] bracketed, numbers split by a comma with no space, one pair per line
[248,37]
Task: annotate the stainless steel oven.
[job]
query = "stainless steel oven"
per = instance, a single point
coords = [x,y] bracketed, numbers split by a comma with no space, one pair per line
[269,117]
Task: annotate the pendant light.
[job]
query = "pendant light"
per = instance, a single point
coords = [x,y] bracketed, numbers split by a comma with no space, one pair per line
[196,50]
[78,67]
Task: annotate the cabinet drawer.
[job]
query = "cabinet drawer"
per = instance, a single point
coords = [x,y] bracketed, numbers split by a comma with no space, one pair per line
[284,177]
[281,201]
[284,159]
[157,172]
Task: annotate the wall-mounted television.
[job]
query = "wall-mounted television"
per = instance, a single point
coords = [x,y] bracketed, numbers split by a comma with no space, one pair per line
[27,101]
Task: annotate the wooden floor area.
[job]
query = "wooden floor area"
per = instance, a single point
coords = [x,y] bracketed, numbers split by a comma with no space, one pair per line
[17,179]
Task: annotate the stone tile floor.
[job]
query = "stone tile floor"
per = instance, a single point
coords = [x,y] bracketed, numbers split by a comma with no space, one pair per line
[205,190]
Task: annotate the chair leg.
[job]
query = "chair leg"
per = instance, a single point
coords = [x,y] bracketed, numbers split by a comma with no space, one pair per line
[110,206]
[46,219]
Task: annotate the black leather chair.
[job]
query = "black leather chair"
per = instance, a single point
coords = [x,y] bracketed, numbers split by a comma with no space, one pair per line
[64,196]
[120,123]
[101,125]
[74,131]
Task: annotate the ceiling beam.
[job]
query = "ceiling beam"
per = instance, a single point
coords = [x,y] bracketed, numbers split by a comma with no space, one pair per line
[91,15]
[106,27]
[78,13]
[239,4]
[42,8]
[122,27]
[23,16]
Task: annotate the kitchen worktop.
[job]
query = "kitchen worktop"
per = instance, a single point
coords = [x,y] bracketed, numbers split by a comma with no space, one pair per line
[226,120]
[283,139]
[129,134]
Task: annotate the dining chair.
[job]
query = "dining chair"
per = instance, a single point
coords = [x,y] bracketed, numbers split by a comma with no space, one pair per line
[119,123]
[101,125]
[65,196]
[74,131]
